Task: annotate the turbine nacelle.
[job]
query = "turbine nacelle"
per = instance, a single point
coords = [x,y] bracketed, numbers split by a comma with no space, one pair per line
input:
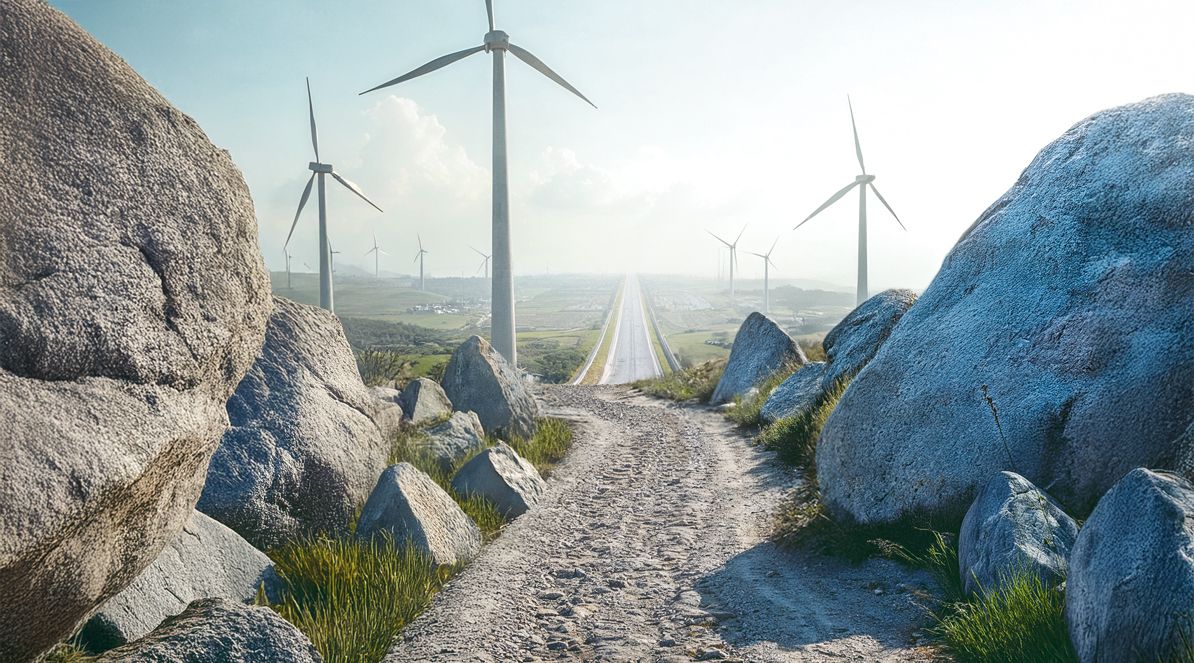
[864,179]
[317,167]
[497,40]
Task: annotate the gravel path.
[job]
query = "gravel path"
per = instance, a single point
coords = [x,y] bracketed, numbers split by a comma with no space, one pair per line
[651,546]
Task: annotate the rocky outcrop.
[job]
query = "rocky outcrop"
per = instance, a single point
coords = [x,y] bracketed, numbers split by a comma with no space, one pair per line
[796,394]
[424,400]
[132,299]
[407,507]
[1013,527]
[1131,582]
[853,342]
[308,439]
[507,480]
[450,442]
[760,349]
[1054,341]
[219,631]
[206,560]
[478,379]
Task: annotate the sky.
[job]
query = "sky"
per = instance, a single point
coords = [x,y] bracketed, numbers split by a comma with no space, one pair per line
[712,116]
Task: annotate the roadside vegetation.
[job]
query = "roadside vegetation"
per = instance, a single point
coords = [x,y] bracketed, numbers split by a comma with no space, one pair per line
[66,652]
[794,438]
[693,383]
[747,410]
[593,376]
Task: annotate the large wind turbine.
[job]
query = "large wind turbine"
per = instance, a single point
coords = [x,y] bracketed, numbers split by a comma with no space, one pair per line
[733,255]
[419,257]
[484,261]
[767,264]
[496,43]
[377,253]
[861,181]
[319,169]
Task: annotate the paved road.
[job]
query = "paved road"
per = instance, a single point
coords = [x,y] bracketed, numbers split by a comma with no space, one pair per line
[632,355]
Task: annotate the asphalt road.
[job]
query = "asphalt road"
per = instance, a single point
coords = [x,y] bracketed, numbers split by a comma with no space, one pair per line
[632,355]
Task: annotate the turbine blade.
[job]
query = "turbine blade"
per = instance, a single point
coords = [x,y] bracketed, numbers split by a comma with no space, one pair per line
[719,239]
[429,67]
[302,202]
[889,209]
[370,251]
[542,68]
[772,248]
[489,11]
[314,132]
[836,197]
[354,188]
[420,238]
[857,145]
[740,234]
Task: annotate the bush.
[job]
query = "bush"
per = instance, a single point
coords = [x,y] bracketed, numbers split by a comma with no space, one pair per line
[747,411]
[379,368]
[556,366]
[696,382]
[547,447]
[794,438]
[352,597]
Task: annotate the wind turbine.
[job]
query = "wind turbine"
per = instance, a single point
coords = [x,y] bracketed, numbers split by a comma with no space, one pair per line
[484,261]
[733,256]
[419,257]
[377,253]
[496,43]
[332,253]
[861,181]
[320,169]
[288,257]
[767,264]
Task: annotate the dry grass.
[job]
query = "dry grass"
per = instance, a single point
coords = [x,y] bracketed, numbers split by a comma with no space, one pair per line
[694,383]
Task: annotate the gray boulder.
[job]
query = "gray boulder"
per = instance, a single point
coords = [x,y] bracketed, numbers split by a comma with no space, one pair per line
[1055,340]
[853,342]
[796,394]
[478,379]
[501,476]
[206,560]
[424,400]
[308,439]
[452,441]
[132,299]
[387,394]
[408,507]
[760,349]
[1130,590]
[1013,526]
[219,631]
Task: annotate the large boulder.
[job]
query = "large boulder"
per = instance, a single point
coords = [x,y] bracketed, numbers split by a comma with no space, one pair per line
[308,439]
[796,394]
[1055,341]
[206,560]
[478,379]
[1013,527]
[219,631]
[1130,589]
[507,480]
[449,442]
[407,507]
[853,342]
[760,349]
[424,400]
[133,298]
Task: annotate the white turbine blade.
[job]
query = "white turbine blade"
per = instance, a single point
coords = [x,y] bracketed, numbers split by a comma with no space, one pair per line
[740,234]
[857,145]
[430,67]
[489,11]
[889,209]
[542,68]
[417,256]
[478,252]
[302,202]
[768,256]
[420,238]
[369,251]
[354,188]
[836,197]
[314,132]
[757,254]
[719,239]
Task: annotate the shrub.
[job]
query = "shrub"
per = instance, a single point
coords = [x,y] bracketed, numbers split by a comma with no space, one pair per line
[380,368]
[697,382]
[747,411]
[352,597]
[794,438]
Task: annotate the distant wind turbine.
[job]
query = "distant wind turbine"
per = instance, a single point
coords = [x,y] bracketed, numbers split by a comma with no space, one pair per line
[861,181]
[733,256]
[332,253]
[321,169]
[419,257]
[484,261]
[497,42]
[288,257]
[767,264]
[377,253]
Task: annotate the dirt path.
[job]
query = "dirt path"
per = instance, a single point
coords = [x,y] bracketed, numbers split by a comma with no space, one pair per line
[651,546]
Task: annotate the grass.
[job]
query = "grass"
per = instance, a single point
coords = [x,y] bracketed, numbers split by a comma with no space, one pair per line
[66,652]
[351,597]
[695,383]
[747,410]
[794,438]
[547,447]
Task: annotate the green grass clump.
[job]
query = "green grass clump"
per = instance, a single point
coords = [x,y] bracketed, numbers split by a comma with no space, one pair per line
[794,438]
[409,447]
[66,652]
[352,597]
[747,411]
[693,383]
[547,446]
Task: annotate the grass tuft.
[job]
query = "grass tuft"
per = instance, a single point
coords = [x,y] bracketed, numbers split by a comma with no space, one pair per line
[547,446]
[693,383]
[66,652]
[794,438]
[747,411]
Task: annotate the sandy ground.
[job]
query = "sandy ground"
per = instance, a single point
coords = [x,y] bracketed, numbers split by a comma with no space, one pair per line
[651,545]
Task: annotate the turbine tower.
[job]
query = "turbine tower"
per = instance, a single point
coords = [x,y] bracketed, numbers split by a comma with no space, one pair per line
[377,253]
[767,265]
[861,181]
[288,257]
[319,169]
[484,261]
[497,43]
[733,256]
[419,257]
